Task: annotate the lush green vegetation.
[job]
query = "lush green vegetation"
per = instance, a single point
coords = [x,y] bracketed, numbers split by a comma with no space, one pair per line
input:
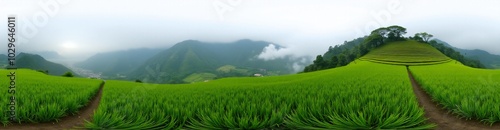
[406,53]
[342,48]
[118,62]
[43,98]
[469,92]
[228,71]
[450,52]
[188,57]
[343,98]
[68,74]
[356,49]
[36,62]
[362,94]
[199,77]
[337,56]
[233,71]
[491,61]
[350,51]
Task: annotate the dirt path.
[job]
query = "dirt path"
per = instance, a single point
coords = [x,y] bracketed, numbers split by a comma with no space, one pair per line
[441,117]
[68,122]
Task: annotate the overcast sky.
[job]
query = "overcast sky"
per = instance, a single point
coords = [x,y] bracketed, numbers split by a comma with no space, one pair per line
[81,28]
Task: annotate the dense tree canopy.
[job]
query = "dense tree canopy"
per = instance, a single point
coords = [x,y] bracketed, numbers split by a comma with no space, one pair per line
[396,32]
[422,37]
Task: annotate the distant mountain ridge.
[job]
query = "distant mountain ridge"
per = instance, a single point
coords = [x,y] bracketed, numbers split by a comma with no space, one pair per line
[194,57]
[3,60]
[117,62]
[491,61]
[37,62]
[48,54]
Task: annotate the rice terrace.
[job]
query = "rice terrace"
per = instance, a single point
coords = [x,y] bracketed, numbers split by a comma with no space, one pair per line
[399,83]
[249,65]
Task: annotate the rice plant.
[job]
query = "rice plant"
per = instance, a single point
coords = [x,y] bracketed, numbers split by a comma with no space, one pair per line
[362,95]
[44,98]
[468,92]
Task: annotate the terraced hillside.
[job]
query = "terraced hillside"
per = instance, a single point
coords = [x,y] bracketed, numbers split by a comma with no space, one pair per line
[375,92]
[362,95]
[406,53]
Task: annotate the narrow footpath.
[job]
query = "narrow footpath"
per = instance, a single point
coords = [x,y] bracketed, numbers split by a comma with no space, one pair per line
[441,117]
[76,121]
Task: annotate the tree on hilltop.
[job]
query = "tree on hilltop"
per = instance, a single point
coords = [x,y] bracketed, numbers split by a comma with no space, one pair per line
[377,37]
[423,37]
[396,32]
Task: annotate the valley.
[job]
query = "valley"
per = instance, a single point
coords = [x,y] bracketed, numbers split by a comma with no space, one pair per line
[249,65]
[394,86]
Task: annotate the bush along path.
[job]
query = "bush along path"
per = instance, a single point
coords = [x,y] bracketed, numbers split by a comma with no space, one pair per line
[442,117]
[68,122]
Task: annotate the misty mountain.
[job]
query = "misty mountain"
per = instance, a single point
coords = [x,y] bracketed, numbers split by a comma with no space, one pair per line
[489,60]
[3,60]
[117,62]
[37,62]
[338,49]
[48,54]
[194,57]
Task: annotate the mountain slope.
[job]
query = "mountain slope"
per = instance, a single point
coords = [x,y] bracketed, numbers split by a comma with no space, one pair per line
[347,45]
[3,61]
[489,60]
[190,57]
[36,62]
[48,54]
[118,62]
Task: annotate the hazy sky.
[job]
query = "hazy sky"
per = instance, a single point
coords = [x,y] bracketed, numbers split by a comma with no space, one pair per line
[81,28]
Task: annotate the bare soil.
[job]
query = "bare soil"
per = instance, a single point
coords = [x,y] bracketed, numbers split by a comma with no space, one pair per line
[68,122]
[442,117]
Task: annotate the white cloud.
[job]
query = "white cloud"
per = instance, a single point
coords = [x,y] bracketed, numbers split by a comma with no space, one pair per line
[271,52]
[296,67]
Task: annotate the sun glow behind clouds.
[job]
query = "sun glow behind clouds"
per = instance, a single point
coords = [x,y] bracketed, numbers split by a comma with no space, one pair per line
[69,45]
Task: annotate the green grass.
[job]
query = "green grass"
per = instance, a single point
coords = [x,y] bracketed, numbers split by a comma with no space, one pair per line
[226,68]
[469,92]
[44,98]
[406,53]
[496,66]
[362,95]
[199,77]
